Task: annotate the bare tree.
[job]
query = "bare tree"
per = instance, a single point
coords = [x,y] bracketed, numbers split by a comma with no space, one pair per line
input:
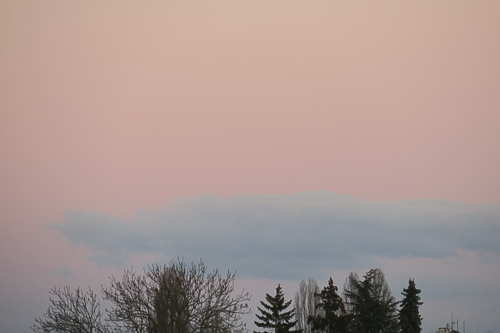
[132,307]
[188,299]
[381,286]
[306,304]
[177,298]
[71,312]
[349,288]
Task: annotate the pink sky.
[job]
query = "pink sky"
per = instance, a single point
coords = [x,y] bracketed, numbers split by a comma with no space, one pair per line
[124,105]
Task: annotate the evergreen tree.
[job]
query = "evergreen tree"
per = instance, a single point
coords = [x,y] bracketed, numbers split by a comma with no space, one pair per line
[274,315]
[409,317]
[332,318]
[371,303]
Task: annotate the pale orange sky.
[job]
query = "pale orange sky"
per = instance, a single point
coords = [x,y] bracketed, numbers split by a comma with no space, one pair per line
[381,101]
[123,105]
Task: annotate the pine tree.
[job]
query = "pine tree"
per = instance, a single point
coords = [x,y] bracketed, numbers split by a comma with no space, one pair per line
[274,315]
[409,317]
[372,304]
[332,317]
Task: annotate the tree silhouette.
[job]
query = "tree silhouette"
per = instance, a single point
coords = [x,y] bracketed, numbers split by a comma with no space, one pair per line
[177,298]
[371,302]
[409,317]
[274,314]
[333,317]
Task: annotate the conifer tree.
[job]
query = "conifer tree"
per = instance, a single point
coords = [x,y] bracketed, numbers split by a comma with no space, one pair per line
[332,317]
[372,304]
[409,317]
[274,315]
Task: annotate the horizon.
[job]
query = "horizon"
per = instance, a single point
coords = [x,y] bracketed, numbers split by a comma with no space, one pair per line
[281,139]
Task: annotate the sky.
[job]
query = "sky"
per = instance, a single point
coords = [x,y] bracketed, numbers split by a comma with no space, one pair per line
[282,140]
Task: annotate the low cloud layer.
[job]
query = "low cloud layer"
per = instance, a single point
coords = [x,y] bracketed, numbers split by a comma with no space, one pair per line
[271,236]
[451,249]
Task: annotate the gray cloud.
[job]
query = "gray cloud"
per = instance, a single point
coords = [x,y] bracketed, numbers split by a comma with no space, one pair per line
[275,236]
[64,271]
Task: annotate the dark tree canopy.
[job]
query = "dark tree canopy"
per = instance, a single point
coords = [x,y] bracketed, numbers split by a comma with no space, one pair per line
[332,317]
[274,315]
[189,299]
[371,303]
[409,318]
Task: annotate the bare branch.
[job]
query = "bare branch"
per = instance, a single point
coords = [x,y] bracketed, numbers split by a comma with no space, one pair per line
[71,312]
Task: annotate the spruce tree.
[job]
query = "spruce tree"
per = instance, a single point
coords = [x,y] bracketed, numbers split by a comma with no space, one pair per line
[331,316]
[274,315]
[409,317]
[371,303]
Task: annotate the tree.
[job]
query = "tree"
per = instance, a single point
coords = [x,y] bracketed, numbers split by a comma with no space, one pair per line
[274,315]
[333,317]
[132,307]
[371,302]
[349,288]
[188,299]
[171,302]
[177,298]
[409,317]
[70,312]
[305,304]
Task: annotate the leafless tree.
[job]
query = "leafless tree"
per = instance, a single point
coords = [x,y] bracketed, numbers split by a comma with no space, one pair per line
[348,287]
[132,306]
[177,298]
[77,311]
[188,299]
[174,298]
[381,286]
[305,303]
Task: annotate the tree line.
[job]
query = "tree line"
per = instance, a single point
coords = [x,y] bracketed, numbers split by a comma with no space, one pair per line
[366,306]
[186,298]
